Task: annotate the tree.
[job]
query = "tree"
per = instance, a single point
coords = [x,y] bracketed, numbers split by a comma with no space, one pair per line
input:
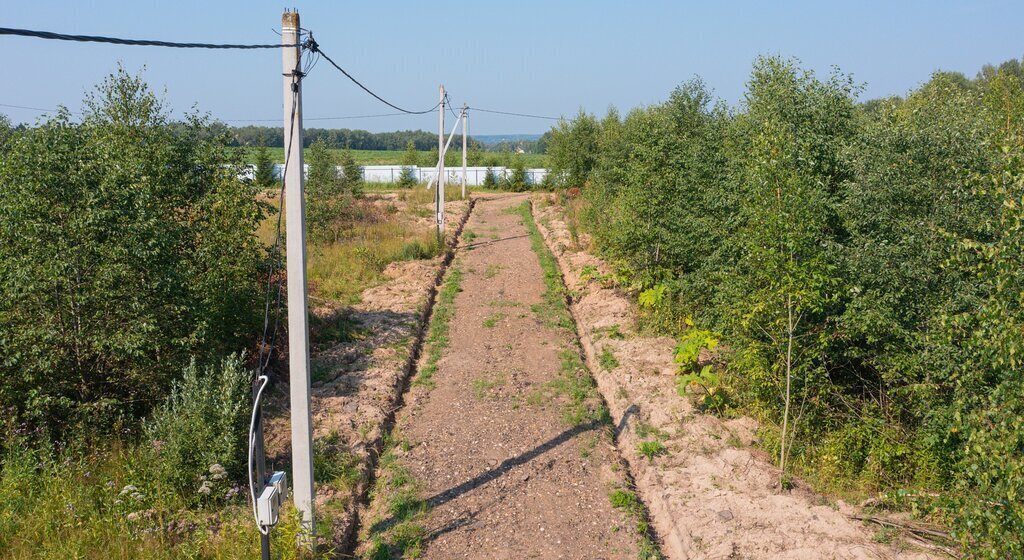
[265,175]
[783,285]
[429,159]
[453,156]
[573,148]
[325,200]
[985,382]
[407,178]
[126,246]
[5,130]
[490,179]
[351,174]
[517,179]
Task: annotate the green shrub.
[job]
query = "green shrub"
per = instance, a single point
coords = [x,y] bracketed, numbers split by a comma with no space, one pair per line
[204,423]
[418,249]
[651,449]
[327,198]
[860,263]
[126,246]
[517,180]
[986,383]
[490,179]
[573,148]
[264,175]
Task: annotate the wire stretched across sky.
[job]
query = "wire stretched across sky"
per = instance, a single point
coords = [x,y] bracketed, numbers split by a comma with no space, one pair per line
[132,42]
[471,108]
[310,45]
[313,46]
[40,109]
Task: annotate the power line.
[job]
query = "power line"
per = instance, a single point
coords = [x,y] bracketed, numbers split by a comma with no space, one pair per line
[343,118]
[448,102]
[313,46]
[133,42]
[41,110]
[346,117]
[514,114]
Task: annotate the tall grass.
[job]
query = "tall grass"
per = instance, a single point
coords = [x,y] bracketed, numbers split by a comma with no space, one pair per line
[176,492]
[341,271]
[94,505]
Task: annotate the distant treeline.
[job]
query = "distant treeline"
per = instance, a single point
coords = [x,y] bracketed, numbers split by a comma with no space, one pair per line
[340,138]
[538,146]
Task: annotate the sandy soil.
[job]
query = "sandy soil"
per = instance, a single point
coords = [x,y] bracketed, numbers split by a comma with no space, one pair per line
[502,474]
[712,495]
[357,384]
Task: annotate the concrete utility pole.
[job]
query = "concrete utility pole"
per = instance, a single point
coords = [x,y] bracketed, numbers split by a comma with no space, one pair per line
[439,193]
[465,124]
[298,317]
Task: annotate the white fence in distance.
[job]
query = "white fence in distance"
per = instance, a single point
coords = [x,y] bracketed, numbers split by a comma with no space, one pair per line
[453,175]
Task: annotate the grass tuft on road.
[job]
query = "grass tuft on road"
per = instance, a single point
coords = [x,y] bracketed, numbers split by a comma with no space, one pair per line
[400,534]
[574,384]
[437,334]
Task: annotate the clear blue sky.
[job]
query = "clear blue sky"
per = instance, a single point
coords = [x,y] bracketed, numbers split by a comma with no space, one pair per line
[542,57]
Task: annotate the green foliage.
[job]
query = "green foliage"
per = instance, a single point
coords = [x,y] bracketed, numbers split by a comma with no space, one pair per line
[651,449]
[203,423]
[5,132]
[607,359]
[351,174]
[109,502]
[713,396]
[625,500]
[264,175]
[628,502]
[860,261]
[689,346]
[573,149]
[517,180]
[437,331]
[429,158]
[126,246]
[651,297]
[490,179]
[987,388]
[327,203]
[401,534]
[407,179]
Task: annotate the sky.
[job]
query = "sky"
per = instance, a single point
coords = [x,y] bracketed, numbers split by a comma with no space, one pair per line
[538,57]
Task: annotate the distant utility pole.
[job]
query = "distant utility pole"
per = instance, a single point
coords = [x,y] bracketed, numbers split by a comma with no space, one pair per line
[298,317]
[439,193]
[465,125]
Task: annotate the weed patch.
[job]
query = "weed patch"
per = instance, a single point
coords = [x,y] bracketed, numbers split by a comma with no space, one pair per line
[437,333]
[607,359]
[651,449]
[399,533]
[493,319]
[484,386]
[492,270]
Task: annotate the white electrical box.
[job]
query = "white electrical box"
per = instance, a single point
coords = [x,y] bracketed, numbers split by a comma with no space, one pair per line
[279,480]
[268,506]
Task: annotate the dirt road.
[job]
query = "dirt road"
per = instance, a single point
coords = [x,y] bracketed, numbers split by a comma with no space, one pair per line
[503,449]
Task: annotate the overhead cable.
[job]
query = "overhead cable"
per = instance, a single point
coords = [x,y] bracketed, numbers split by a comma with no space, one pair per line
[514,114]
[133,42]
[313,46]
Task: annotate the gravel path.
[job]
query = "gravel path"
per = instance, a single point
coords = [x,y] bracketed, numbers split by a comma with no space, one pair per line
[496,466]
